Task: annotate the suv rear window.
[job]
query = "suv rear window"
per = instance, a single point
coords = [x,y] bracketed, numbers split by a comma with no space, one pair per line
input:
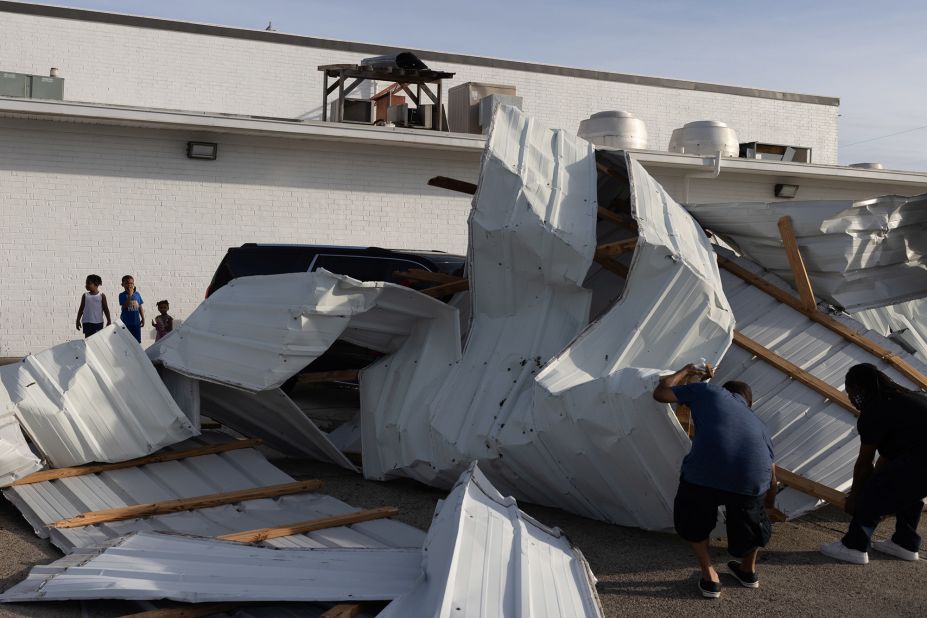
[364,267]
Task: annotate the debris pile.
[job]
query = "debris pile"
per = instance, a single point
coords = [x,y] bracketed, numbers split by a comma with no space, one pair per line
[587,282]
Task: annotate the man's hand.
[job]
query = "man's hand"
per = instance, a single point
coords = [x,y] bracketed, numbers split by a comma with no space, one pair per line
[849,507]
[664,390]
[78,324]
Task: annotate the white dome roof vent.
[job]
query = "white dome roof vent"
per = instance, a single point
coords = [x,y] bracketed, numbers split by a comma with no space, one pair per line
[614,130]
[705,138]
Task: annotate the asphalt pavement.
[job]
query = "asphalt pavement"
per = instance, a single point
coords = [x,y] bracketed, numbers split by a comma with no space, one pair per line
[640,573]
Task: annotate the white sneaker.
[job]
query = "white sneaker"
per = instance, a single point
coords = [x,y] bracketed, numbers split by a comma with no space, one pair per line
[893,549]
[841,552]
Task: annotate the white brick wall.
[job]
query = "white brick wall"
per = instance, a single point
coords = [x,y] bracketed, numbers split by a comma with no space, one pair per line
[138,66]
[80,199]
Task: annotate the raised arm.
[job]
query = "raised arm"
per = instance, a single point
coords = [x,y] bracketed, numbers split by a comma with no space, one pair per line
[664,390]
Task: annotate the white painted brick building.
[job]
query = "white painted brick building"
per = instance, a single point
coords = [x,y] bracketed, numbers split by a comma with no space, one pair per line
[103,186]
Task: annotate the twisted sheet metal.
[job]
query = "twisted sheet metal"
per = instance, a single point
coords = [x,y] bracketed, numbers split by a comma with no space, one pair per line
[859,255]
[95,399]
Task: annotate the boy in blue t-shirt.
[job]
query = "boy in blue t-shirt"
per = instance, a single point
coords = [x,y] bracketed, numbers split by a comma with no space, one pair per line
[133,314]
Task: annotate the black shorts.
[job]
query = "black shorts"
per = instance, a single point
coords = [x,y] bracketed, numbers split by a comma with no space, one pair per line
[90,328]
[695,514]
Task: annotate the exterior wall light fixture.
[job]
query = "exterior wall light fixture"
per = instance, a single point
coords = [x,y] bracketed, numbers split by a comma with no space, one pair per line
[202,150]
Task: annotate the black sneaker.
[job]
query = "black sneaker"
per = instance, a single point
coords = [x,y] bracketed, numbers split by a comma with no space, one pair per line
[747,580]
[709,589]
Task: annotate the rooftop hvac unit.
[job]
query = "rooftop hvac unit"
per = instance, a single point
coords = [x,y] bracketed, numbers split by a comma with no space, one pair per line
[464,104]
[775,152]
[421,117]
[355,110]
[489,103]
[14,84]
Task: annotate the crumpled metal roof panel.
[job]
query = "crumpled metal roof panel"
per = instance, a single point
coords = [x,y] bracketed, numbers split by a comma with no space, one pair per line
[811,435]
[555,431]
[95,399]
[50,501]
[152,566]
[272,416]
[858,254]
[484,557]
[302,314]
[906,322]
[16,458]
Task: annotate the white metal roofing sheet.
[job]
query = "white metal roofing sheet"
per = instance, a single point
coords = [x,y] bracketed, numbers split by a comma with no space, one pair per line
[485,558]
[555,432]
[16,458]
[50,501]
[812,436]
[94,399]
[153,566]
[273,417]
[858,254]
[906,322]
[301,315]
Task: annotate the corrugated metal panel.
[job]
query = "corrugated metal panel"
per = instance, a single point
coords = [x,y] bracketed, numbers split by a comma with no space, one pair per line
[486,558]
[49,501]
[153,566]
[184,390]
[302,314]
[555,432]
[16,459]
[858,254]
[811,435]
[95,399]
[906,322]
[275,418]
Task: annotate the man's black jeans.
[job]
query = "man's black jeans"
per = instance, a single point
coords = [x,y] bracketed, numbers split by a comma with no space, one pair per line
[899,489]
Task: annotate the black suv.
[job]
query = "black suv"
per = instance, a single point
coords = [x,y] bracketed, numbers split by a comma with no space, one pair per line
[363,263]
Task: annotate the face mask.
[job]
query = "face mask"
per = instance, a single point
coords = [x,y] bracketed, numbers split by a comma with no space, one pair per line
[857,401]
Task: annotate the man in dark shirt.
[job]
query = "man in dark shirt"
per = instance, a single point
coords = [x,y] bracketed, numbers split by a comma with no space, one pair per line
[730,464]
[892,423]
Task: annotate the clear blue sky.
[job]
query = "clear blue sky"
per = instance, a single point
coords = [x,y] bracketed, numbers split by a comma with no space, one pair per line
[872,55]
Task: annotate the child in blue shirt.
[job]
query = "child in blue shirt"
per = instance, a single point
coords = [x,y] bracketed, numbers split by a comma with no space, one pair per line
[133,314]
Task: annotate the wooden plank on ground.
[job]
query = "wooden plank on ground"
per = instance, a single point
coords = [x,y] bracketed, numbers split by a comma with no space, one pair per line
[418,274]
[826,321]
[452,184]
[614,249]
[812,488]
[797,264]
[341,375]
[212,449]
[311,525]
[619,220]
[447,288]
[185,504]
[343,610]
[197,610]
[794,371]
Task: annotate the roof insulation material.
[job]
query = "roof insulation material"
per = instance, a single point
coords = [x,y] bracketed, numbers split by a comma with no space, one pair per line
[273,417]
[485,558]
[49,501]
[95,399]
[153,566]
[302,314]
[811,435]
[858,254]
[555,431]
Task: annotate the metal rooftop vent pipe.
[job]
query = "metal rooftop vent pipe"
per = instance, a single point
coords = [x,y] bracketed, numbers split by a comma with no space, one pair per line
[867,166]
[705,138]
[614,130]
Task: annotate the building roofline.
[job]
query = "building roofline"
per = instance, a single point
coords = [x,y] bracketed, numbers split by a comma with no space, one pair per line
[207,122]
[157,23]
